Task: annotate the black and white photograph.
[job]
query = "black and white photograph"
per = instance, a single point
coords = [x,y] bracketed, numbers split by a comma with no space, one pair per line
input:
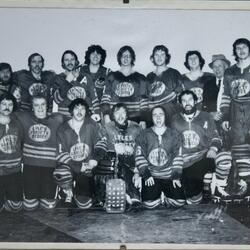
[123,127]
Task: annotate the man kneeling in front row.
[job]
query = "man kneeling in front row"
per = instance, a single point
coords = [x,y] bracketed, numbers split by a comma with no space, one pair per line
[159,161]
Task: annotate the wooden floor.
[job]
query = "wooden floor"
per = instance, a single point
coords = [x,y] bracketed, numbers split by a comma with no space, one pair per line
[203,224]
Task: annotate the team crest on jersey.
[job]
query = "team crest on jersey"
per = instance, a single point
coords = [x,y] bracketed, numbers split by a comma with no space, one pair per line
[157,88]
[191,139]
[76,92]
[240,87]
[158,157]
[124,89]
[39,133]
[199,93]
[79,151]
[100,82]
[8,144]
[37,88]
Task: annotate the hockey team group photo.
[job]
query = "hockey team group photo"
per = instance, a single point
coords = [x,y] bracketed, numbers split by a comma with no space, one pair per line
[91,138]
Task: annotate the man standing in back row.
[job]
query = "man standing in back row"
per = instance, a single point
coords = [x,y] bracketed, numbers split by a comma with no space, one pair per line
[235,108]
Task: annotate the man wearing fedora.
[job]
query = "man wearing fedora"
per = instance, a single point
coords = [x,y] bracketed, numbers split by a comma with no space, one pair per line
[212,96]
[213,90]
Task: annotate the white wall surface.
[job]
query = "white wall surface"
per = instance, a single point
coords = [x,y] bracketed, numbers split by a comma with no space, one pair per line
[51,31]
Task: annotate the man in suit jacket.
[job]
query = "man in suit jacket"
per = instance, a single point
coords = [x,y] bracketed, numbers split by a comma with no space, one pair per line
[213,90]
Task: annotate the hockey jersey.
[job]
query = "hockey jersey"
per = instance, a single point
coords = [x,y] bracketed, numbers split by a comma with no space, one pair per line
[65,92]
[199,134]
[130,90]
[236,88]
[99,79]
[30,86]
[164,88]
[197,85]
[159,156]
[122,141]
[39,148]
[11,140]
[74,149]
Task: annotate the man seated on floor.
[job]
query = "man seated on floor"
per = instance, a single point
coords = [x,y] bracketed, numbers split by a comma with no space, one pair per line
[159,162]
[121,134]
[201,144]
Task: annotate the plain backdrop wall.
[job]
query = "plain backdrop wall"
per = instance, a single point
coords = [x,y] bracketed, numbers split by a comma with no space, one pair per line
[51,31]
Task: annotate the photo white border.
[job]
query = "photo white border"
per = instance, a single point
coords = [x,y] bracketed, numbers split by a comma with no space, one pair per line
[116,4]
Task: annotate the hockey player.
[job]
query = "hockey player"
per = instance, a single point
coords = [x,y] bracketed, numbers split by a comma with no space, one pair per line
[80,146]
[39,155]
[34,81]
[200,146]
[126,86]
[121,134]
[94,60]
[72,84]
[7,84]
[195,79]
[11,139]
[164,83]
[235,109]
[159,162]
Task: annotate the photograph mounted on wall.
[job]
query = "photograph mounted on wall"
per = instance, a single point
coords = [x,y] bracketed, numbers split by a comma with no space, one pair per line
[124,126]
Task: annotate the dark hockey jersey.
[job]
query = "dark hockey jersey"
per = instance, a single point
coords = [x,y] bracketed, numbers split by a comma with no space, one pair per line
[159,156]
[75,149]
[164,88]
[99,79]
[65,92]
[11,139]
[236,87]
[197,85]
[39,148]
[199,134]
[30,86]
[130,90]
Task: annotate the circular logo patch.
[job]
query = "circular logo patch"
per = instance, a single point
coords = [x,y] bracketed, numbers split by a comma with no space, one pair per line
[240,87]
[8,144]
[124,89]
[158,157]
[157,88]
[76,92]
[37,88]
[199,92]
[79,152]
[39,133]
[191,139]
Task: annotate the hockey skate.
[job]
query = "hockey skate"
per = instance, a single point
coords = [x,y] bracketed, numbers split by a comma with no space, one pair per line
[115,201]
[240,193]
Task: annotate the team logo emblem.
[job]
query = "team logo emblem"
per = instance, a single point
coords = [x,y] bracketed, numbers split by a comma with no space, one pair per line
[37,88]
[79,152]
[240,87]
[158,157]
[199,93]
[76,92]
[157,88]
[191,139]
[8,144]
[39,133]
[124,89]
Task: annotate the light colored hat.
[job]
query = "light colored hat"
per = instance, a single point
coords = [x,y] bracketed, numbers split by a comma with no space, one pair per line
[219,57]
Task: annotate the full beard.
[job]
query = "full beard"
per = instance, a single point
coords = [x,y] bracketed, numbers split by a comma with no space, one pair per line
[188,112]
